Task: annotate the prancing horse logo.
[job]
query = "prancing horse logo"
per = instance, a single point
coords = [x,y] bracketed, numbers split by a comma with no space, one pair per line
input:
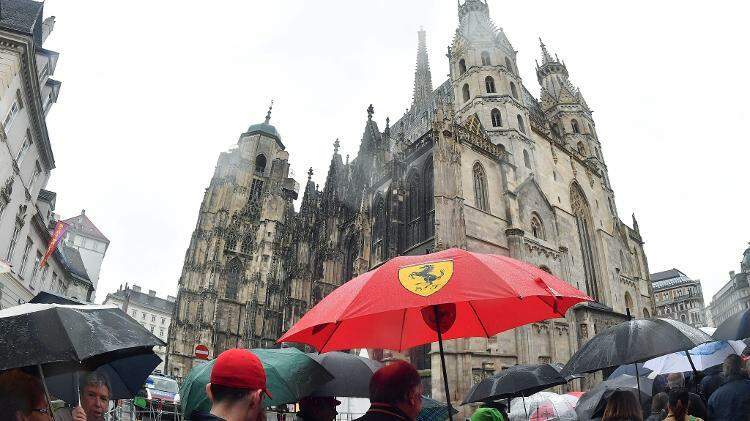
[426,278]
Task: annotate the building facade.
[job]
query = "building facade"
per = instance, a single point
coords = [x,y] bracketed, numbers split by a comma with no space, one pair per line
[27,92]
[89,242]
[477,163]
[154,313]
[734,296]
[678,297]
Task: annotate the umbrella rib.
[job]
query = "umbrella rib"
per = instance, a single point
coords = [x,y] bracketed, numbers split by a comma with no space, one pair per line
[403,324]
[329,338]
[479,319]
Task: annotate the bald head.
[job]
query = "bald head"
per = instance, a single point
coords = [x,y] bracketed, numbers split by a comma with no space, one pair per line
[675,380]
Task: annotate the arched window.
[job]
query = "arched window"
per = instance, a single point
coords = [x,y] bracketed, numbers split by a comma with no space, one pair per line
[537,229]
[231,240]
[413,212]
[646,313]
[513,90]
[582,213]
[489,83]
[521,126]
[556,129]
[526,159]
[574,126]
[508,65]
[497,120]
[624,263]
[260,164]
[461,66]
[466,92]
[429,200]
[581,148]
[485,58]
[683,318]
[378,228]
[480,188]
[247,244]
[233,273]
[629,303]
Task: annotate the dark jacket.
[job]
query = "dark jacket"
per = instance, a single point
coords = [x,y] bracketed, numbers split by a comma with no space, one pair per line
[656,416]
[731,401]
[204,416]
[383,412]
[709,384]
[697,406]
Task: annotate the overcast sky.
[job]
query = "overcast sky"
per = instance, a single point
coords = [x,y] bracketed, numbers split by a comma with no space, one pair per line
[153,91]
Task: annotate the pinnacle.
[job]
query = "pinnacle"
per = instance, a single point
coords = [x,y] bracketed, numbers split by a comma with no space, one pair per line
[268,114]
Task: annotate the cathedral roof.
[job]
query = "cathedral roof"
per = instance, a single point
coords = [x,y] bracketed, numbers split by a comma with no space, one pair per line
[23,16]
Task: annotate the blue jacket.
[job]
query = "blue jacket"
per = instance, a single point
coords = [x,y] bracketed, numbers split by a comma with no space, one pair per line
[730,402]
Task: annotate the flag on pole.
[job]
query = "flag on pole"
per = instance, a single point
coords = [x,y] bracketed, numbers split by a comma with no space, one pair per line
[57,235]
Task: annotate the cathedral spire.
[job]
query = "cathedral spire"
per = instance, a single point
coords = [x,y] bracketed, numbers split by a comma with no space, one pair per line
[546,57]
[422,75]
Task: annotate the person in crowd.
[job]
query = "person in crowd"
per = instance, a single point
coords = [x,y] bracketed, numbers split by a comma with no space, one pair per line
[235,389]
[696,406]
[318,409]
[623,405]
[501,407]
[731,401]
[395,393]
[658,407]
[484,413]
[679,403]
[22,397]
[94,394]
[711,381]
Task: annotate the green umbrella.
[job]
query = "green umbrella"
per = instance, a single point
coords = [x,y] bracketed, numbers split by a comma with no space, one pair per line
[290,375]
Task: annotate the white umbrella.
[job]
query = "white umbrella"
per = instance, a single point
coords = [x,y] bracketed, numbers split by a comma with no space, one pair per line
[543,406]
[704,356]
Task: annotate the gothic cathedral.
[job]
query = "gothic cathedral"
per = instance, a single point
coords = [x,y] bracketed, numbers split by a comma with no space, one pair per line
[478,163]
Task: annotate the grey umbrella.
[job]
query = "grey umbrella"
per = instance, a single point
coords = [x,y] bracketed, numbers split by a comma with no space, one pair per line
[351,374]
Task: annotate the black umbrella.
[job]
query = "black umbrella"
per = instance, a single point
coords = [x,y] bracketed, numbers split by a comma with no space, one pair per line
[125,375]
[351,374]
[630,369]
[519,380]
[592,403]
[633,341]
[62,340]
[38,334]
[736,327]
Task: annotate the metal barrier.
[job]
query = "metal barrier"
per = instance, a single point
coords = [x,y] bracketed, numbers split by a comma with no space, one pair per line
[126,410]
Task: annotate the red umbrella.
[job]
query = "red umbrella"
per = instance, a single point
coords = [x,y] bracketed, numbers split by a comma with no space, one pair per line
[400,304]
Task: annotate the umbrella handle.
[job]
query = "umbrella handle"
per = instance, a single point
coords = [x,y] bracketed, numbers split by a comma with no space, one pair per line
[46,391]
[442,360]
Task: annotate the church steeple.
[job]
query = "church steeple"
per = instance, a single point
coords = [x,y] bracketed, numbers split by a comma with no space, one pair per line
[422,75]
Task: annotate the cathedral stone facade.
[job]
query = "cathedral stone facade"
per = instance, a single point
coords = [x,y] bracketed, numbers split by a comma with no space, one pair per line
[477,163]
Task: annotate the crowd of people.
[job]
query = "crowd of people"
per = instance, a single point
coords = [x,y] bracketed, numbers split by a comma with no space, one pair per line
[238,386]
[721,394]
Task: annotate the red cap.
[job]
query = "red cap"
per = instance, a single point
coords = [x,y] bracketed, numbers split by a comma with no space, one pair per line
[240,369]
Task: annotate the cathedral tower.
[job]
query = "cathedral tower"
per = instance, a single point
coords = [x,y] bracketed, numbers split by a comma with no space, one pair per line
[488,92]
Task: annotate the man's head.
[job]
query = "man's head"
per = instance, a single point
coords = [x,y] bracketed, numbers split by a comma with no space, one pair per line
[321,408]
[398,384]
[675,380]
[732,366]
[238,382]
[22,397]
[95,393]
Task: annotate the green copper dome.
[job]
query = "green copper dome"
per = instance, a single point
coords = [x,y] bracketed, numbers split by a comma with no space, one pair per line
[264,128]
